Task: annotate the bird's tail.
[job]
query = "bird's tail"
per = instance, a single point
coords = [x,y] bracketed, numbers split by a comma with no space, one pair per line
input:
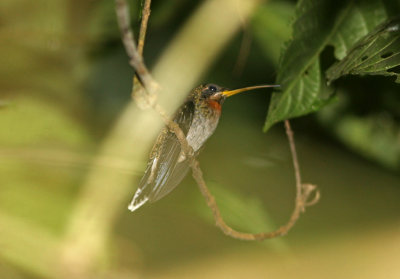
[138,200]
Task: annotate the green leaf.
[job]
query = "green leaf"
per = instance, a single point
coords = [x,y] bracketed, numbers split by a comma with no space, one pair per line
[377,53]
[363,17]
[317,24]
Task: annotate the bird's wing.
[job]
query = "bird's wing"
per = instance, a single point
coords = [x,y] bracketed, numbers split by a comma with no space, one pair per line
[166,167]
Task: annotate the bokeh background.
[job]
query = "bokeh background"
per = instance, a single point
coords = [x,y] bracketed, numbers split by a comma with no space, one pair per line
[64,81]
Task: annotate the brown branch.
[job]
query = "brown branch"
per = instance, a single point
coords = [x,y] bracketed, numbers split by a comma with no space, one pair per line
[303,192]
[136,61]
[143,26]
[289,133]
[137,89]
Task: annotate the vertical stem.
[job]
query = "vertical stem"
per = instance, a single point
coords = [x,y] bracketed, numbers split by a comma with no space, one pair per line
[143,26]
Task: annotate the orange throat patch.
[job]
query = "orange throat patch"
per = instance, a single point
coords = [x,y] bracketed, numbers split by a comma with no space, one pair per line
[215,105]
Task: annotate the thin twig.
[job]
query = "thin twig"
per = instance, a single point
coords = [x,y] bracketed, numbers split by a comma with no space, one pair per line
[289,133]
[136,61]
[302,195]
[143,26]
[137,88]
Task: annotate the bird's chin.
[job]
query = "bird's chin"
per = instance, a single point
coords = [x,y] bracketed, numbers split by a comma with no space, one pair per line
[222,99]
[219,97]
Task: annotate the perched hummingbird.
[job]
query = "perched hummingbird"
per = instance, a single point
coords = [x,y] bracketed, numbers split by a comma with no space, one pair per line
[197,117]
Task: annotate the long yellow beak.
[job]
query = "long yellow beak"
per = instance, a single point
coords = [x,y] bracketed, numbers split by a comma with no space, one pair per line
[229,93]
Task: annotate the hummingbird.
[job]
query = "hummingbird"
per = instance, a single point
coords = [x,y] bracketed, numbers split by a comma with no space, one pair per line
[198,118]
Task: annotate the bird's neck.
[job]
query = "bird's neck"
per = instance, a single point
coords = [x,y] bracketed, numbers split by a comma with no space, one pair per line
[215,105]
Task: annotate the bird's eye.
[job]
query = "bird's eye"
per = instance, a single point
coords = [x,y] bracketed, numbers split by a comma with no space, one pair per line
[212,88]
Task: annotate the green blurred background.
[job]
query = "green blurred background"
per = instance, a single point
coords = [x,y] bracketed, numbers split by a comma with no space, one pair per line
[64,79]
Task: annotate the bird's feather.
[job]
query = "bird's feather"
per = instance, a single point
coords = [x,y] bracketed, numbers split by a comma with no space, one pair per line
[165,169]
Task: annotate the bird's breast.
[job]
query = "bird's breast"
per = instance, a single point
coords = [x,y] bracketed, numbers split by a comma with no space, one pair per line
[203,126]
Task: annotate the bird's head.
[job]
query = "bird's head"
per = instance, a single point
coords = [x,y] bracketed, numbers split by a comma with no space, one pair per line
[214,95]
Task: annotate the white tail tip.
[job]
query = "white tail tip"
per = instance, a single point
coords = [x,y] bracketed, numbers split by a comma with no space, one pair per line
[136,204]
